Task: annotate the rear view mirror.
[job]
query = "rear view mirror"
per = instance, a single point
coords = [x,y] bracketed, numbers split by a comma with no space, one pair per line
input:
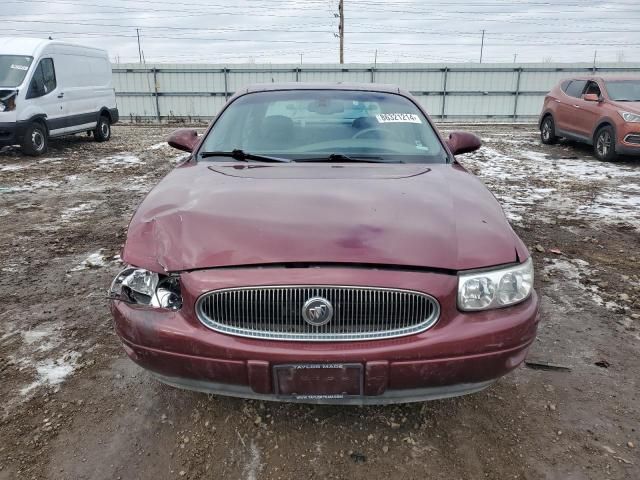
[591,97]
[463,142]
[184,139]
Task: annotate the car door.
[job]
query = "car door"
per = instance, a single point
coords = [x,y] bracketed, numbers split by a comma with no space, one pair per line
[589,112]
[45,96]
[568,108]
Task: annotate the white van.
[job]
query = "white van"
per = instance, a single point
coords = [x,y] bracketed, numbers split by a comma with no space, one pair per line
[49,89]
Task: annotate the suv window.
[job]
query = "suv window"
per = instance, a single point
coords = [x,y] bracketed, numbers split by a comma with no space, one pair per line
[44,79]
[575,88]
[592,87]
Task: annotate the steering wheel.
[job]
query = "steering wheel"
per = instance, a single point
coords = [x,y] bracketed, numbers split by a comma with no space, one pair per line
[381,132]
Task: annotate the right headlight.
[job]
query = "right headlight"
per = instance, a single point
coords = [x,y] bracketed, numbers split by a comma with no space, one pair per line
[629,117]
[138,286]
[484,290]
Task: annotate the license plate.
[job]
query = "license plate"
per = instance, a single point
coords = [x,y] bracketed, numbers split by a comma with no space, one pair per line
[317,381]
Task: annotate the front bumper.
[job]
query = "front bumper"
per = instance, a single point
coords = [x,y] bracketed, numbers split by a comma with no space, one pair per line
[11,133]
[628,139]
[462,353]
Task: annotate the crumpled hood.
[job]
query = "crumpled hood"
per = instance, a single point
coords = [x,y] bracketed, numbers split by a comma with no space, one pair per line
[206,214]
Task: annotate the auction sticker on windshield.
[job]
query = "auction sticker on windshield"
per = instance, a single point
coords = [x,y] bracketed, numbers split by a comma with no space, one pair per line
[398,118]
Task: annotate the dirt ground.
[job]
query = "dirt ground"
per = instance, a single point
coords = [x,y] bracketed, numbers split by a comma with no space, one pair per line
[72,406]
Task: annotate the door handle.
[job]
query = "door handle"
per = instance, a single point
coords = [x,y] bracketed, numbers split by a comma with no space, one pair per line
[577,106]
[61,95]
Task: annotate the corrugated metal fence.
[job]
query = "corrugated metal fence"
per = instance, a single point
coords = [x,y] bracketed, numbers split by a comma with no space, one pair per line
[456,92]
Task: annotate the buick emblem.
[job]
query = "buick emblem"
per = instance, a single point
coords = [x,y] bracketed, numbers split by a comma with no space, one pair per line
[317,311]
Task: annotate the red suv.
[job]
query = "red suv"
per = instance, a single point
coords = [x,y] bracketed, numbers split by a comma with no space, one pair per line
[603,112]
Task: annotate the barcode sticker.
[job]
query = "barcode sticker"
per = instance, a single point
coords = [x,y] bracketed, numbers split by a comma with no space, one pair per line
[398,118]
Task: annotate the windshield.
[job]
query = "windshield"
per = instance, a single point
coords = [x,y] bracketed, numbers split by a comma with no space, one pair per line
[13,69]
[311,125]
[624,90]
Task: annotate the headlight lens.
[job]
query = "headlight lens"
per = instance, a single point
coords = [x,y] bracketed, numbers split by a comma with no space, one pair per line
[495,288]
[142,287]
[8,103]
[630,117]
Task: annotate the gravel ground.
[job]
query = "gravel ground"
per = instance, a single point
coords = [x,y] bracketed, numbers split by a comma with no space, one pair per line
[74,407]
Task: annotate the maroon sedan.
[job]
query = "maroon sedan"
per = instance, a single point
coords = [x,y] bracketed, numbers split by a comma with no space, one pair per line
[322,244]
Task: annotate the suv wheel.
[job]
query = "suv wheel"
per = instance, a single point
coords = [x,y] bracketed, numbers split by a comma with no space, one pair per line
[548,131]
[35,141]
[604,145]
[102,133]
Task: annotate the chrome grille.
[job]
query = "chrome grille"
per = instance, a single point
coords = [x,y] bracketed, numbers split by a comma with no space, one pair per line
[275,312]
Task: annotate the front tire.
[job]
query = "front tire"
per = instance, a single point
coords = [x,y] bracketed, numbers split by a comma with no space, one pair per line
[102,133]
[548,131]
[36,140]
[604,145]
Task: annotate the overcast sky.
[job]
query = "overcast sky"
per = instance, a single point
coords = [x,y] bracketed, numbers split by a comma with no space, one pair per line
[280,31]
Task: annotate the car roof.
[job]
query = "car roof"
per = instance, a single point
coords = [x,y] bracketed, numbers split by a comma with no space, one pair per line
[364,87]
[608,77]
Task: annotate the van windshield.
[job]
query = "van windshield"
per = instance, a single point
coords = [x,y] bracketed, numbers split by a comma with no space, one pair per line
[13,69]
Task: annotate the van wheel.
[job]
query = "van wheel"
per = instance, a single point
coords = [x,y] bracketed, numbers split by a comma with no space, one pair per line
[36,140]
[548,131]
[604,145]
[102,133]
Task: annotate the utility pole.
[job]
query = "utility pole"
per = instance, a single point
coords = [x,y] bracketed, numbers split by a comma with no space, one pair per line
[301,59]
[515,55]
[595,55]
[375,59]
[139,49]
[482,46]
[341,30]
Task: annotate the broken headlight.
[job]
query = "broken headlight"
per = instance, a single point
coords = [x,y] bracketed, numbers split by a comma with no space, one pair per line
[142,287]
[8,103]
[484,290]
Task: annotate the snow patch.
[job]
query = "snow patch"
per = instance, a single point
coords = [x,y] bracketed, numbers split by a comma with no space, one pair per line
[52,372]
[253,467]
[13,168]
[30,186]
[158,146]
[78,210]
[94,260]
[575,271]
[121,160]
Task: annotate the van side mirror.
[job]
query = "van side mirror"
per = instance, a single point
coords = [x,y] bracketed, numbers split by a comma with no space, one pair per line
[591,97]
[185,139]
[463,142]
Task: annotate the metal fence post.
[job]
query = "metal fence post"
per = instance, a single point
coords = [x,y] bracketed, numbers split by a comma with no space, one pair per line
[155,90]
[444,92]
[226,83]
[515,100]
[373,74]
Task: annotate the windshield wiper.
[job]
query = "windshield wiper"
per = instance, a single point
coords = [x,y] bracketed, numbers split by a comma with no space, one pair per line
[339,157]
[244,156]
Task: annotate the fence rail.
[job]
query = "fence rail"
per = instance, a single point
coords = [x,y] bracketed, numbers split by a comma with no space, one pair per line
[461,92]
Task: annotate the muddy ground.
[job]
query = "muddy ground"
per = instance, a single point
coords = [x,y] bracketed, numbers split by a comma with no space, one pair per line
[72,406]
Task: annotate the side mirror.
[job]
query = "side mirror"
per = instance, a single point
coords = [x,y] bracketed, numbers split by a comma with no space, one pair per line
[184,139]
[591,97]
[463,142]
